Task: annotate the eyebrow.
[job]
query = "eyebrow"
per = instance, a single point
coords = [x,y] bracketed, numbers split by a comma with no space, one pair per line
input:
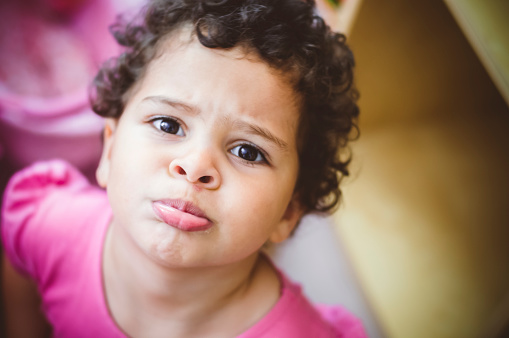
[243,125]
[173,103]
[263,132]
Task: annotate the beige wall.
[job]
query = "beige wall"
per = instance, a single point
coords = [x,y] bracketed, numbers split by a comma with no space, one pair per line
[426,214]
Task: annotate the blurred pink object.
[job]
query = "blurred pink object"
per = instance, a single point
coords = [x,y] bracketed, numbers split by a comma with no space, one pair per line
[49,53]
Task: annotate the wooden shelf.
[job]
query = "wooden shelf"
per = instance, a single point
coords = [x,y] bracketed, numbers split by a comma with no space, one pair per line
[486,26]
[424,214]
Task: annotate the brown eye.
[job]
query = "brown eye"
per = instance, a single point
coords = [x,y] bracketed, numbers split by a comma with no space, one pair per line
[248,153]
[168,126]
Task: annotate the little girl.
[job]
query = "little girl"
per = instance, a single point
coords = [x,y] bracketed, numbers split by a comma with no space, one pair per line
[224,120]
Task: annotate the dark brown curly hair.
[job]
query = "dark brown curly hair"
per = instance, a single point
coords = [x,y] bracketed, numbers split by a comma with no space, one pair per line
[288,36]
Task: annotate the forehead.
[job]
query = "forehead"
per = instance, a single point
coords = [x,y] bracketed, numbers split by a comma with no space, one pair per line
[232,80]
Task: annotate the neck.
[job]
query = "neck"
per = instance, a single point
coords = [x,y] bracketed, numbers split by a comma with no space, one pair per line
[184,297]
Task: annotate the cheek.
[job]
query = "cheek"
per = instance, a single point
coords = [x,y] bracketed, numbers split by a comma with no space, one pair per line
[120,194]
[261,199]
[129,154]
[126,173]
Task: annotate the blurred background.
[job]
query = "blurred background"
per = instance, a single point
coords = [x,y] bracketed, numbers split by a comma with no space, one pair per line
[425,218]
[421,247]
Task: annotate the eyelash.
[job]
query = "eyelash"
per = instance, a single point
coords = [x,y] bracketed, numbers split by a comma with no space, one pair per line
[167,119]
[261,154]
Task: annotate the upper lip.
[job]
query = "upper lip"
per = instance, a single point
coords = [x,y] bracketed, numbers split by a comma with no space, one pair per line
[184,206]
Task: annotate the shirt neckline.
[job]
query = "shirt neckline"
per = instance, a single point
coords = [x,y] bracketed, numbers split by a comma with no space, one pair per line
[287,292]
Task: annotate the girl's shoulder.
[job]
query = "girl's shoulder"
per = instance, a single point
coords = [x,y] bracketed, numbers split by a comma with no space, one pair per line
[295,316]
[44,207]
[344,323]
[326,320]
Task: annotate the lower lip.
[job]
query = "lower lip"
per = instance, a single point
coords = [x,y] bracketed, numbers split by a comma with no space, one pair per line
[179,219]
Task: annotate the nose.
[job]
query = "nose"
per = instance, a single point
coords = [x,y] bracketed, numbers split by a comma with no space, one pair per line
[197,168]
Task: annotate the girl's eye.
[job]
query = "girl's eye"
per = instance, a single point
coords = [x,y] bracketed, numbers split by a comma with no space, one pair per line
[169,126]
[248,153]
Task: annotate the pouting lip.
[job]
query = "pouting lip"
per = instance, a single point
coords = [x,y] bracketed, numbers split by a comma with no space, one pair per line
[181,215]
[184,206]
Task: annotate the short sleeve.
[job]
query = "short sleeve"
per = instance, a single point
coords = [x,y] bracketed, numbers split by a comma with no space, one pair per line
[344,323]
[28,198]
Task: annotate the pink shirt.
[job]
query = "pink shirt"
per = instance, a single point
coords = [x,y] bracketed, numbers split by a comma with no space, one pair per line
[53,228]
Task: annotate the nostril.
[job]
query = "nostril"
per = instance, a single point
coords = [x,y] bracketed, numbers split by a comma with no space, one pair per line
[181,171]
[205,179]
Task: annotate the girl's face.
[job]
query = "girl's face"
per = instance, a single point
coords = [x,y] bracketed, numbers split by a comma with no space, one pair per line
[201,167]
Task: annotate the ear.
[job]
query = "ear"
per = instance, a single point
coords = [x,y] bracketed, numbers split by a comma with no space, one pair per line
[291,218]
[103,170]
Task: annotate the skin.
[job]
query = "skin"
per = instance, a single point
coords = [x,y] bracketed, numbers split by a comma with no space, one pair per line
[218,103]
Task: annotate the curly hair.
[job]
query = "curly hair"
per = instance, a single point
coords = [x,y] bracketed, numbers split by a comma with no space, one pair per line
[288,36]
